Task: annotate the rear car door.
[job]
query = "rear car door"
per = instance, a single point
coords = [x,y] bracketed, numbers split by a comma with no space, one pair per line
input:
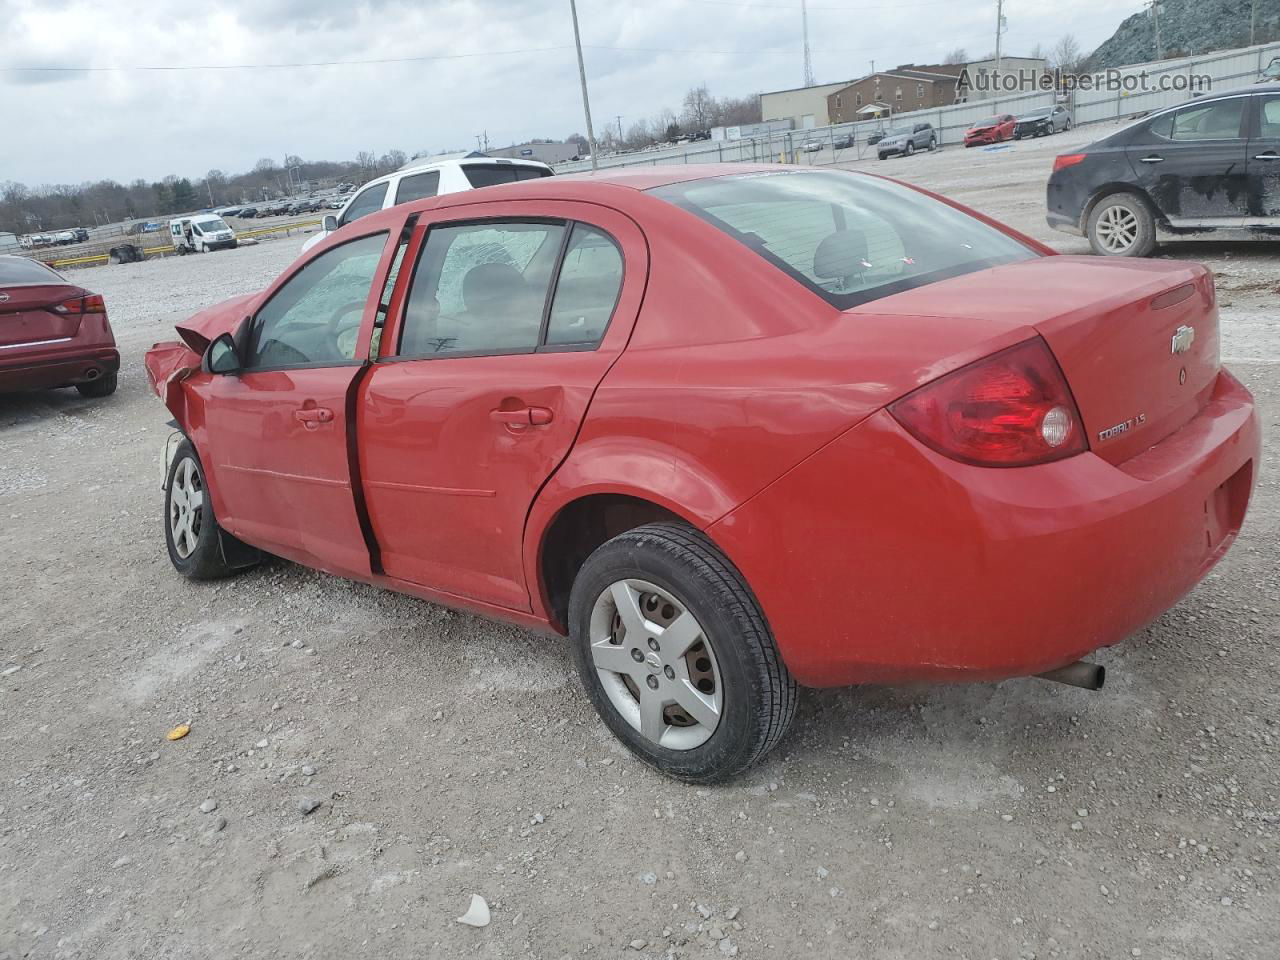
[1264,162]
[1191,163]
[277,429]
[514,314]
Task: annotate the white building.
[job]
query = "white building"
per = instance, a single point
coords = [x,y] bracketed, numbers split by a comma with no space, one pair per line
[805,107]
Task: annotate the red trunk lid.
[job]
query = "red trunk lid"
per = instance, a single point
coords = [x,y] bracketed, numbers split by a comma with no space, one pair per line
[1137,339]
[27,316]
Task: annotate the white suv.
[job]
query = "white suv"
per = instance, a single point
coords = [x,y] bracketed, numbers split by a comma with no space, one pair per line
[425,177]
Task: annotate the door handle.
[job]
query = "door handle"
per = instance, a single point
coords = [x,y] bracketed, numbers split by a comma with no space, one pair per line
[1267,156]
[1152,160]
[523,417]
[312,417]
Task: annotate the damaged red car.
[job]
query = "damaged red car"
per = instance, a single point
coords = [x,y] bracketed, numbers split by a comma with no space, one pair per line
[991,130]
[732,430]
[53,333]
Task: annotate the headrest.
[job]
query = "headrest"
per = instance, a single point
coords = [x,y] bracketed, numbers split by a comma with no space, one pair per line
[840,254]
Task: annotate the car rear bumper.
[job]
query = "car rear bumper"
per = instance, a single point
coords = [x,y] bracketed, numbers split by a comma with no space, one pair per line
[59,371]
[878,560]
[1060,221]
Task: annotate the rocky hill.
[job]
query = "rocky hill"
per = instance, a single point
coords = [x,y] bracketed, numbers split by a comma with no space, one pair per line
[1187,27]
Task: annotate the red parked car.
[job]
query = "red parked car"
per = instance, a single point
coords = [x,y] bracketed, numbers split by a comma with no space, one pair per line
[53,333]
[991,130]
[730,429]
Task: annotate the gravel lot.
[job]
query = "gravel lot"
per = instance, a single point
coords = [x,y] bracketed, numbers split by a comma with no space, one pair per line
[451,756]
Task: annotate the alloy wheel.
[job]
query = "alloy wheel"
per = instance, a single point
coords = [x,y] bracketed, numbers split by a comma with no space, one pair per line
[656,664]
[186,507]
[1117,229]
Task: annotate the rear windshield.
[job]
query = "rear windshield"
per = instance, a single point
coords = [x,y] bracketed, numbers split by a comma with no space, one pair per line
[850,238]
[486,175]
[14,270]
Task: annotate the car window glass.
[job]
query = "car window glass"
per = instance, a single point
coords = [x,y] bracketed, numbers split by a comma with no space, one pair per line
[418,186]
[315,317]
[21,270]
[587,289]
[1210,121]
[366,203]
[480,288]
[1269,118]
[849,238]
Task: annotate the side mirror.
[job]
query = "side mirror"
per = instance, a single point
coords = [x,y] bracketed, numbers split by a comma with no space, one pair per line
[221,357]
[330,223]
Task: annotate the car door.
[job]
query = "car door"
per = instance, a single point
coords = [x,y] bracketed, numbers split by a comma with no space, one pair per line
[1191,163]
[277,428]
[1264,162]
[514,313]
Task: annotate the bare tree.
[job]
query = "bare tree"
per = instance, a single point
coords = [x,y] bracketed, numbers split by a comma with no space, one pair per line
[698,106]
[958,55]
[1038,52]
[1066,54]
[265,165]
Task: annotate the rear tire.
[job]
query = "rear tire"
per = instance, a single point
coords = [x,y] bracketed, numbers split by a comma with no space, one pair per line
[677,590]
[1121,225]
[104,386]
[191,531]
[911,148]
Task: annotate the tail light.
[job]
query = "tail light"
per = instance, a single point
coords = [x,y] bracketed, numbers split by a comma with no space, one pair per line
[1067,160]
[89,303]
[1011,409]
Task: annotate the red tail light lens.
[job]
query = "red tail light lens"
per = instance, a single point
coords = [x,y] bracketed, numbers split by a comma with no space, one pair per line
[90,303]
[1067,160]
[1011,409]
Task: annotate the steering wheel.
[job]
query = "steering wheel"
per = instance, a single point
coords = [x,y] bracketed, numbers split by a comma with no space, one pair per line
[346,335]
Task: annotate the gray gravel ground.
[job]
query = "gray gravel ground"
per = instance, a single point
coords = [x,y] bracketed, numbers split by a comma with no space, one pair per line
[441,755]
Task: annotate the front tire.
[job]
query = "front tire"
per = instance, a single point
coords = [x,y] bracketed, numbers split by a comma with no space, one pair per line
[911,148]
[676,654]
[933,144]
[191,531]
[1122,225]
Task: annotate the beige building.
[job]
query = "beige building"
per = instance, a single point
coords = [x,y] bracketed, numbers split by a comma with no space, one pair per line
[977,74]
[805,106]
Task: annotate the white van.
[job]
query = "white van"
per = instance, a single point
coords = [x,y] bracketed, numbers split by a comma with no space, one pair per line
[201,233]
[425,177]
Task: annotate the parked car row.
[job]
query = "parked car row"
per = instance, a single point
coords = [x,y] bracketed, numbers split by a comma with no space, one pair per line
[33,241]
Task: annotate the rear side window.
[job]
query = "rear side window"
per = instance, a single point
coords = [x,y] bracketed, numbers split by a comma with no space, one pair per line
[848,238]
[481,288]
[365,203]
[1210,121]
[1269,118]
[489,175]
[15,270]
[418,186]
[587,291]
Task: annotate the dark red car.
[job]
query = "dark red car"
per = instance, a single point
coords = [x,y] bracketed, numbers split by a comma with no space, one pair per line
[53,333]
[732,429]
[991,130]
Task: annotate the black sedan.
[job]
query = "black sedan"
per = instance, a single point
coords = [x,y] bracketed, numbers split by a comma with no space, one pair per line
[1041,123]
[1207,167]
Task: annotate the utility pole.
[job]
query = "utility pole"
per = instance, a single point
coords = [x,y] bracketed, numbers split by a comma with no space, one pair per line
[582,75]
[210,186]
[808,60]
[1155,19]
[999,34]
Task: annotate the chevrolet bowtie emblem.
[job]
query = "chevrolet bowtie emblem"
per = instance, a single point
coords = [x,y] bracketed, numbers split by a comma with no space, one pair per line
[1183,338]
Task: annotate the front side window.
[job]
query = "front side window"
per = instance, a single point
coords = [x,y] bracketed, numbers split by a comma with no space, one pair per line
[418,186]
[1210,121]
[365,203]
[848,238]
[480,288]
[315,317]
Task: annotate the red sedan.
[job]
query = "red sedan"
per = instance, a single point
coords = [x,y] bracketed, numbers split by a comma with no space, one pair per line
[53,333]
[991,130]
[730,429]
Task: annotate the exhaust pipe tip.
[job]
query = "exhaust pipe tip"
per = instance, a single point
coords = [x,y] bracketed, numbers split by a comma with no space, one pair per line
[92,373]
[1082,673]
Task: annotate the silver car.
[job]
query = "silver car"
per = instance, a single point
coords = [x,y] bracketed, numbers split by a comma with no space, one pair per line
[907,140]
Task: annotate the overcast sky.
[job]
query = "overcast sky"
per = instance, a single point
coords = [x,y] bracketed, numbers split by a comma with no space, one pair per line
[507,67]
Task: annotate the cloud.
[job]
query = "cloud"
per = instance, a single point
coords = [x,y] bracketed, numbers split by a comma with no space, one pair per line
[147,123]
